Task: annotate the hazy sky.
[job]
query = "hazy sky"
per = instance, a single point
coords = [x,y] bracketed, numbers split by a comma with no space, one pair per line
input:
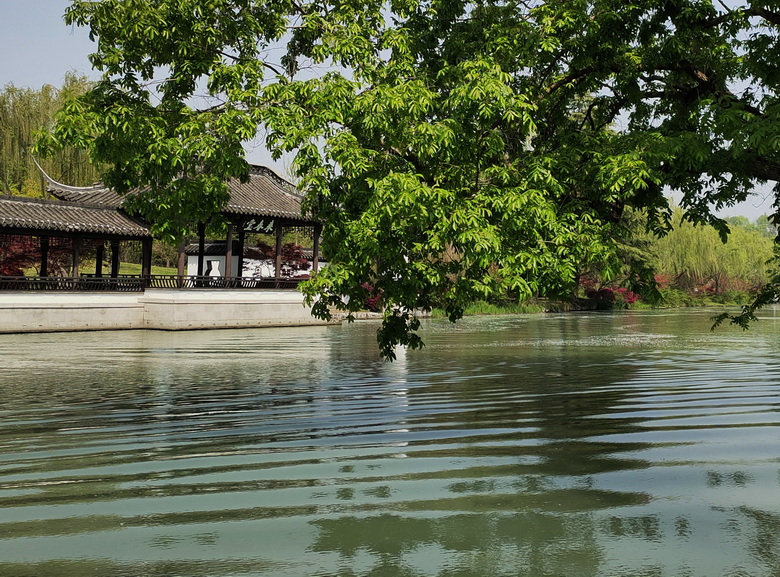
[37,48]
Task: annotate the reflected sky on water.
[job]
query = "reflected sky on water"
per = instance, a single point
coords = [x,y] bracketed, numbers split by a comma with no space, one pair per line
[638,444]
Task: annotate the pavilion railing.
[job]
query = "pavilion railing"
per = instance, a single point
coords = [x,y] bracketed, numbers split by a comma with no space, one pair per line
[137,283]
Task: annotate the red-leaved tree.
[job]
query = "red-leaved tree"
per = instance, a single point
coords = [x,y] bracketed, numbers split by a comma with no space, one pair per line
[19,254]
[293,260]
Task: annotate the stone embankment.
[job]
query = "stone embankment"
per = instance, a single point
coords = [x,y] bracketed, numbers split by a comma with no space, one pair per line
[154,309]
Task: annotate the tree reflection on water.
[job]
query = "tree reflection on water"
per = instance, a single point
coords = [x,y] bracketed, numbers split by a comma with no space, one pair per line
[569,445]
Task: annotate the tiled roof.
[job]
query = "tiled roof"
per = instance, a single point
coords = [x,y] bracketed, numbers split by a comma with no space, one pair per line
[265,194]
[214,248]
[39,215]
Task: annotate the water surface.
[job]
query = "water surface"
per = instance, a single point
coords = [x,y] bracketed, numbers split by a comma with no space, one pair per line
[635,444]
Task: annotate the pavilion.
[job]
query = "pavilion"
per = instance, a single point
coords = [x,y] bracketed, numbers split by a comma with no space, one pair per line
[74,222]
[265,203]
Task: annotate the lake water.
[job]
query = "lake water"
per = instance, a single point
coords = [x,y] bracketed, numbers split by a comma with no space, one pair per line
[635,444]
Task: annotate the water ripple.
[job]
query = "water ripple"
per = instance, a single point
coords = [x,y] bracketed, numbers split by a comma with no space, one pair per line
[493,448]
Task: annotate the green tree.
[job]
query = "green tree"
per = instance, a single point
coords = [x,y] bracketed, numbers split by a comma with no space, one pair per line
[636,253]
[453,149]
[765,226]
[146,118]
[747,256]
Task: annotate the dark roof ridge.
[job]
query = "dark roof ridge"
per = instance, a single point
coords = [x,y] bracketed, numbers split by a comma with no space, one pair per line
[264,194]
[57,202]
[39,215]
[97,187]
[259,169]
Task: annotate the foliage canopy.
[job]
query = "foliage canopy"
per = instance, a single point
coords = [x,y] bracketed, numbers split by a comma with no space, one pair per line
[453,149]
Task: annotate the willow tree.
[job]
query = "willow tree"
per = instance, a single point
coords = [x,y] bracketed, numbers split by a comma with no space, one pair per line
[693,256]
[23,113]
[453,149]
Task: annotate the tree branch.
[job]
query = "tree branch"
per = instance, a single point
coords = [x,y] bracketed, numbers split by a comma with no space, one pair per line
[410,158]
[767,15]
[762,168]
[569,78]
[235,58]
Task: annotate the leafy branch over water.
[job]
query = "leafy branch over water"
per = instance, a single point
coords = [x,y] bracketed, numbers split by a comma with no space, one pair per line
[454,150]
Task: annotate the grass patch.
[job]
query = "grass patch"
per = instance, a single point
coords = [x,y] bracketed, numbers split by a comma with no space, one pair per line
[135,268]
[130,268]
[673,298]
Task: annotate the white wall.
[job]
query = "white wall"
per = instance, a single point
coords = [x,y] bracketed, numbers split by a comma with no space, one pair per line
[192,265]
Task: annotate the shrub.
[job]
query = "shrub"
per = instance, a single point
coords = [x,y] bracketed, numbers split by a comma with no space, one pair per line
[373,298]
[628,297]
[671,297]
[732,297]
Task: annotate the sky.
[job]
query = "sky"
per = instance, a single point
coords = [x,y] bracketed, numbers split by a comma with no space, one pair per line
[38,48]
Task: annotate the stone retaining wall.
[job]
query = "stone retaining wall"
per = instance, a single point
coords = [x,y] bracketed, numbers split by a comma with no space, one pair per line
[154,309]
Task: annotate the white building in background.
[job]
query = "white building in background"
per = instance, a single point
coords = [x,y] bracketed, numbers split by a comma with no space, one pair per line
[214,263]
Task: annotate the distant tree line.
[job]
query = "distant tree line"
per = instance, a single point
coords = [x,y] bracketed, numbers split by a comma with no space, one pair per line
[689,258]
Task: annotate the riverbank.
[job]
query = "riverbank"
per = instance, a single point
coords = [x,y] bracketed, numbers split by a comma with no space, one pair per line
[671,299]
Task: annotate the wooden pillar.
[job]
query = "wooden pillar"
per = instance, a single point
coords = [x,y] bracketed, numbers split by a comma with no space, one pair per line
[201,246]
[76,245]
[278,253]
[44,271]
[146,258]
[241,242]
[180,263]
[100,253]
[229,252]
[114,258]
[315,263]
